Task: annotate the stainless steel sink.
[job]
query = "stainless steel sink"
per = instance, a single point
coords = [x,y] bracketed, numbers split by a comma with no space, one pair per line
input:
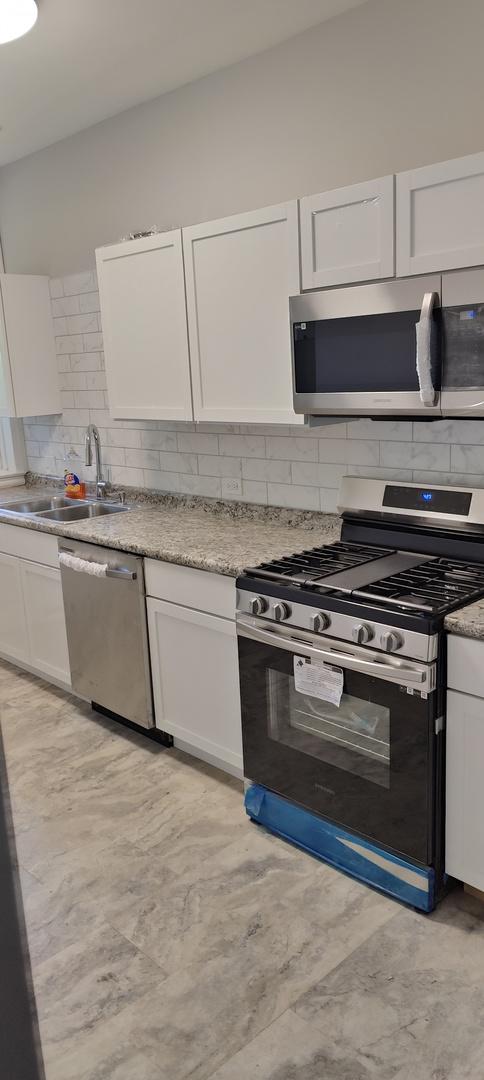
[81,511]
[35,506]
[60,508]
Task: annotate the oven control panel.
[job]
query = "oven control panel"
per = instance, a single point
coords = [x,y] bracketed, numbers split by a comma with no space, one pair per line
[337,625]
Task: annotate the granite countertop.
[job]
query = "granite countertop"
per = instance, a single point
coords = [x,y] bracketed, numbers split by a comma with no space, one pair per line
[468,621]
[221,537]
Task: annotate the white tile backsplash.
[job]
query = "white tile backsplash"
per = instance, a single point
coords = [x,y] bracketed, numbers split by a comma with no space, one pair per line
[276,464]
[288,448]
[415,455]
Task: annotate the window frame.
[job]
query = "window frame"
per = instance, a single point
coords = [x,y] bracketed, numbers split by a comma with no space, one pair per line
[13,462]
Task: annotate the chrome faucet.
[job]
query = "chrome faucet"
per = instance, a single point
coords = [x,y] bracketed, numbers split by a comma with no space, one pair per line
[92,434]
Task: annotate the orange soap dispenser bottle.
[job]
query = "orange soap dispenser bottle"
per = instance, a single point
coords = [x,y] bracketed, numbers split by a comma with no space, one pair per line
[74,487]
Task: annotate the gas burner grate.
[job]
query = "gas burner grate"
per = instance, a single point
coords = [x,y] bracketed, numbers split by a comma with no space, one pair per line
[437,585]
[434,586]
[307,567]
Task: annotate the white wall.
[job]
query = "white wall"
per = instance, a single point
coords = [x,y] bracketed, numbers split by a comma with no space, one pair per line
[281,466]
[393,84]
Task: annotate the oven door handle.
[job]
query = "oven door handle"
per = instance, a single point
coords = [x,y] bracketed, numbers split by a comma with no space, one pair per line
[390,669]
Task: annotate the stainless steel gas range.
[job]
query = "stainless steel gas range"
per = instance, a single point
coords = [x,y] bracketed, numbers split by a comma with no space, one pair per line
[342,674]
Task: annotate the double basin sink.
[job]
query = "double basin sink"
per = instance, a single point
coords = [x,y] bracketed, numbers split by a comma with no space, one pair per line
[59,508]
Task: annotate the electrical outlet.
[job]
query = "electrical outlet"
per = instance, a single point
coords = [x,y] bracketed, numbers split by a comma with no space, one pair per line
[231,487]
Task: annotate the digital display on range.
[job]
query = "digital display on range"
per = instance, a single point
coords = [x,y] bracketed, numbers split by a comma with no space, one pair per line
[430,499]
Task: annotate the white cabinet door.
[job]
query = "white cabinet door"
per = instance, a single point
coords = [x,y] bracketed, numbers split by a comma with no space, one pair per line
[13,628]
[240,273]
[440,216]
[29,384]
[143,310]
[348,234]
[196,681]
[464,843]
[46,628]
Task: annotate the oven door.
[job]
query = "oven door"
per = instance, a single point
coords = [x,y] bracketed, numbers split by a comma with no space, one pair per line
[366,763]
[374,349]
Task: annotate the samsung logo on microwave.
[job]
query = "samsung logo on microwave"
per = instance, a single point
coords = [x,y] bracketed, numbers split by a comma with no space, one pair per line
[328,790]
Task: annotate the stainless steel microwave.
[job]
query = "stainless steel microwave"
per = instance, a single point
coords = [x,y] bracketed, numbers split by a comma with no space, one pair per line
[463,343]
[412,348]
[369,350]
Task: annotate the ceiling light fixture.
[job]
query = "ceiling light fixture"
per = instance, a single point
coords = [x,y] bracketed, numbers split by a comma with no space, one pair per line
[17,17]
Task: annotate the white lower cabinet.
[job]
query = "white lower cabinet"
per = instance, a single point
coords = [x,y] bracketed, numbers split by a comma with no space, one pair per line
[13,624]
[196,682]
[46,628]
[32,622]
[464,844]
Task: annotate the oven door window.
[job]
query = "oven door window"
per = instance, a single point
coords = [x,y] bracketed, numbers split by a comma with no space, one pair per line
[362,354]
[366,764]
[353,736]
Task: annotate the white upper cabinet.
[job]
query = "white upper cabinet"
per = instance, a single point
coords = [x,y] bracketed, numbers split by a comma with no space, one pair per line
[240,272]
[347,234]
[29,384]
[142,291]
[440,216]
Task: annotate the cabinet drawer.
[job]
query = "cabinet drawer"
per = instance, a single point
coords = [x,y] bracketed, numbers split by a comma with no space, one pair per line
[192,588]
[465,665]
[29,544]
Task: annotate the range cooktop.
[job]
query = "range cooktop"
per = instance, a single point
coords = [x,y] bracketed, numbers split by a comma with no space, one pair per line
[388,578]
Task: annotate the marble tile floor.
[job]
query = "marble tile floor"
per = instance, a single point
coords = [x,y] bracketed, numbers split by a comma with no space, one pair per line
[170,938]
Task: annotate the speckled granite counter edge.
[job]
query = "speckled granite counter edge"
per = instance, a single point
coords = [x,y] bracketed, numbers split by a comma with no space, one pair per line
[467,621]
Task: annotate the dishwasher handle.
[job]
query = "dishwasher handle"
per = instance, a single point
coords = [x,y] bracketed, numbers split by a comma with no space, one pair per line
[93,568]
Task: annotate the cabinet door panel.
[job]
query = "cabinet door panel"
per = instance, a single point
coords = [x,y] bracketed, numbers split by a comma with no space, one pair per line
[142,292]
[195,681]
[7,400]
[440,216]
[32,386]
[13,629]
[46,629]
[348,234]
[464,844]
[240,273]
[29,383]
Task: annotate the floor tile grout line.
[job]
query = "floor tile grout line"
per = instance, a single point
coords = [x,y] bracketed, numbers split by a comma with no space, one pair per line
[291,1007]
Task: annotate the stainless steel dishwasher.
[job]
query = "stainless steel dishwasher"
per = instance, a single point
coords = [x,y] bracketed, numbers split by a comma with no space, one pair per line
[107,634]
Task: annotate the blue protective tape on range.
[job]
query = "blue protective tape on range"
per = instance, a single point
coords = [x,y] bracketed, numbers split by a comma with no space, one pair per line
[346,851]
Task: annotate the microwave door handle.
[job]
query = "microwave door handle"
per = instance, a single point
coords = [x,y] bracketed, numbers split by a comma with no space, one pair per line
[383,669]
[424,350]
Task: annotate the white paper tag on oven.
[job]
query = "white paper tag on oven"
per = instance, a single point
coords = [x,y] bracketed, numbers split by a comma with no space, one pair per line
[318,679]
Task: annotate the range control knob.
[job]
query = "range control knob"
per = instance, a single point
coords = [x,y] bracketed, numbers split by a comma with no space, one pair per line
[257,605]
[391,641]
[280,611]
[362,633]
[319,621]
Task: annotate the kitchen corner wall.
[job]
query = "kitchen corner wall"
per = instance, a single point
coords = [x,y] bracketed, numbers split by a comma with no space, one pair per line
[282,466]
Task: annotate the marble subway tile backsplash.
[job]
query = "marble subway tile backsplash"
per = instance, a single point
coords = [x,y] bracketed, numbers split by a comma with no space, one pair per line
[282,466]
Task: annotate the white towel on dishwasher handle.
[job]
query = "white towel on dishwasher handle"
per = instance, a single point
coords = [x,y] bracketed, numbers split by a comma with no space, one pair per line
[82,566]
